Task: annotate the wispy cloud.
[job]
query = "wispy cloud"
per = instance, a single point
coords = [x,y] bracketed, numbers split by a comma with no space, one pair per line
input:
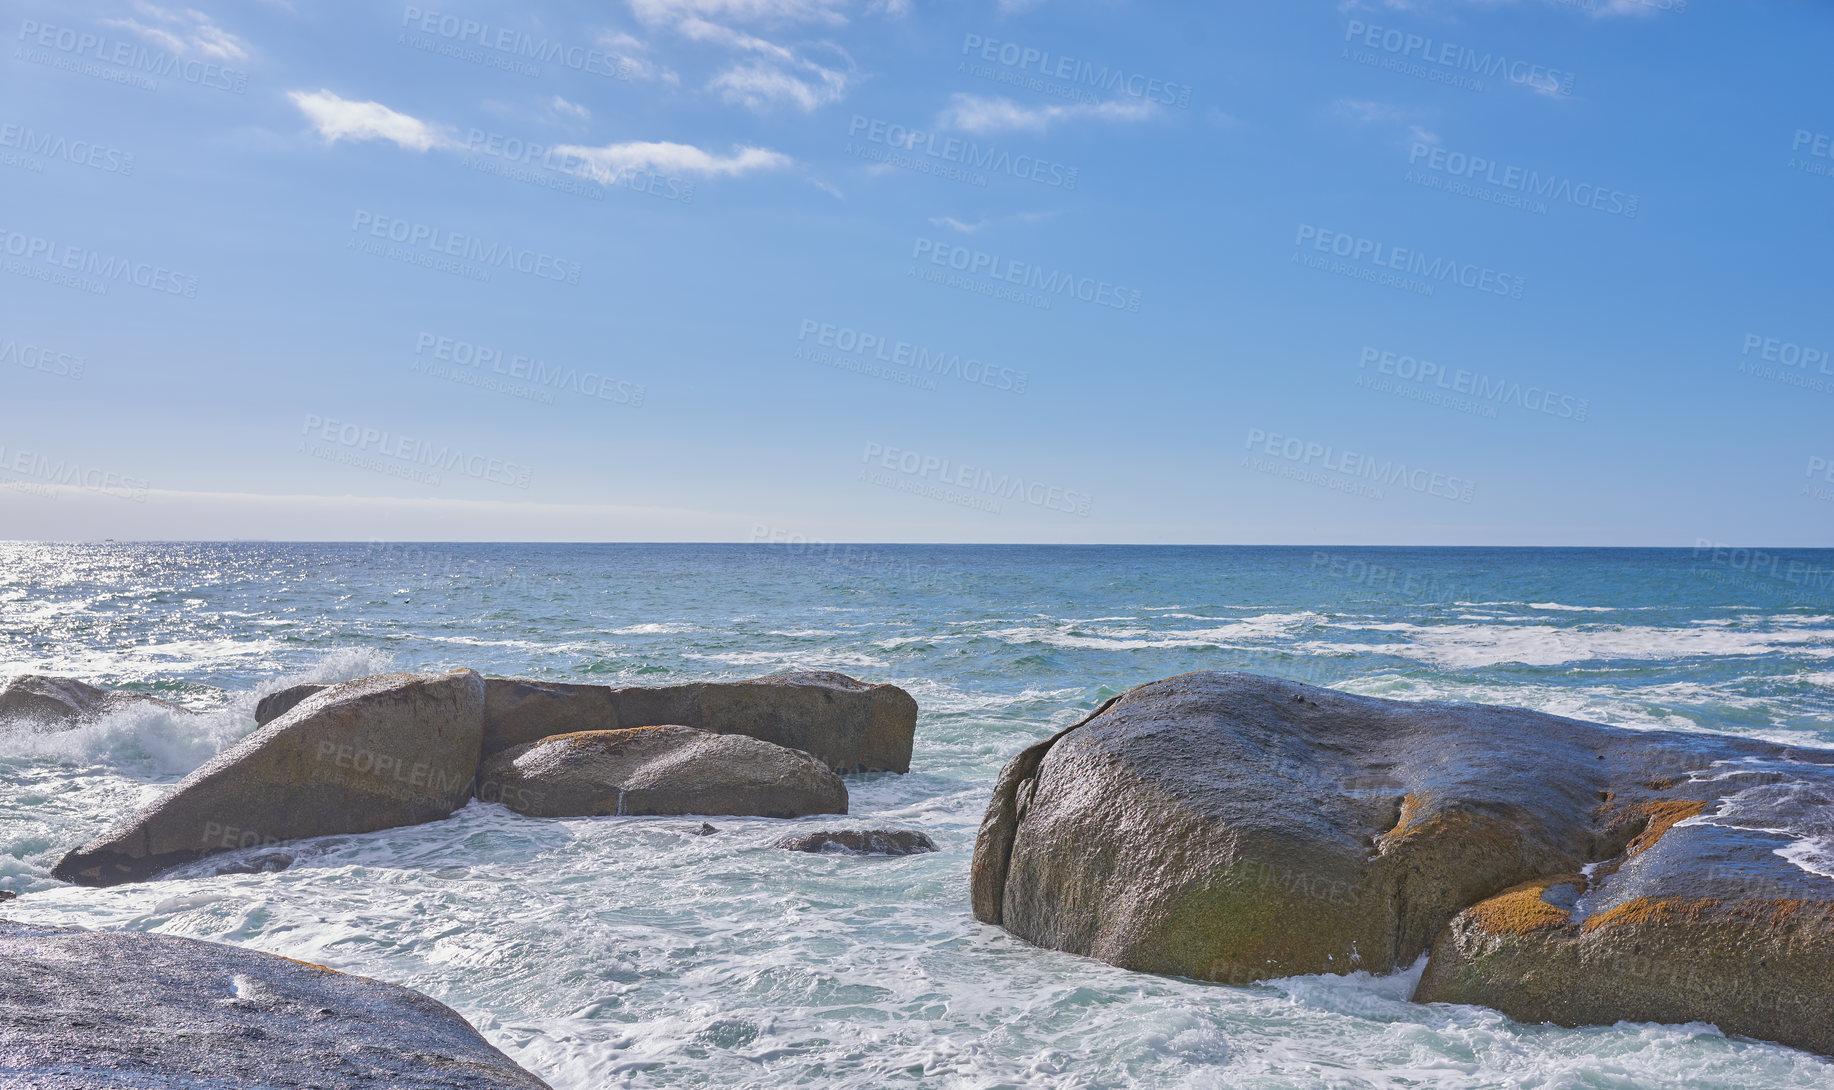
[762,87]
[660,12]
[612,162]
[632,55]
[960,227]
[979,114]
[336,118]
[188,33]
[777,74]
[571,110]
[1386,115]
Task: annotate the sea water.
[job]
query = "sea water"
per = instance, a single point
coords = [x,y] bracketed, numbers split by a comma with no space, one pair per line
[615,952]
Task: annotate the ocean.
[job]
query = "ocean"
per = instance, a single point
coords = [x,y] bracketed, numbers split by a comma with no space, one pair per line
[630,952]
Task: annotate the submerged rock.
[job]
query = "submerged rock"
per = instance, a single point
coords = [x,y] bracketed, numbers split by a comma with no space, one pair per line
[1233,828]
[861,842]
[659,770]
[850,725]
[274,705]
[268,863]
[395,749]
[59,703]
[87,1009]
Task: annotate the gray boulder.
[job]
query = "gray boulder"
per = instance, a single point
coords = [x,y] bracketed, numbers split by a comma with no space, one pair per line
[395,749]
[1230,827]
[274,705]
[59,703]
[86,1010]
[860,842]
[850,725]
[659,770]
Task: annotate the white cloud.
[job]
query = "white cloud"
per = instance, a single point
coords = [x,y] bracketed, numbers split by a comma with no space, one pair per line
[611,162]
[570,109]
[976,114]
[337,118]
[187,33]
[1368,112]
[659,12]
[1384,114]
[954,224]
[778,74]
[632,55]
[763,86]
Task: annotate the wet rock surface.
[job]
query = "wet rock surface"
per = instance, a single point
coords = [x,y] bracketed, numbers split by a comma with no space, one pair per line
[1232,827]
[91,1010]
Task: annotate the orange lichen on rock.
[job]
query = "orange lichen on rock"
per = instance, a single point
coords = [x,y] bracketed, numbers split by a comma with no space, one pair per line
[1639,910]
[1521,909]
[1662,816]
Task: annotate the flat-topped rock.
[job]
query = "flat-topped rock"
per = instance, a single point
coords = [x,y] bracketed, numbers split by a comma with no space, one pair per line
[659,770]
[89,1010]
[395,749]
[850,725]
[1231,827]
[58,703]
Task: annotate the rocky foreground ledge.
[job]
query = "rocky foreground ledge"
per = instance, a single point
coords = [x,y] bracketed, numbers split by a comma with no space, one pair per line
[1233,828]
[404,749]
[83,1010]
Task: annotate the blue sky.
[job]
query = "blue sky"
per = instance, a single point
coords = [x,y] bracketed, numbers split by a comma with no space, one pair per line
[1434,272]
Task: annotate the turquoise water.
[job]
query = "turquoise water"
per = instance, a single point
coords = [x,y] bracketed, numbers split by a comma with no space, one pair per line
[629,952]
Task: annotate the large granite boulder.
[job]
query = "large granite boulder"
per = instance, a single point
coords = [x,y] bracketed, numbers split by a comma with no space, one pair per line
[394,749]
[659,770]
[86,1010]
[517,712]
[849,724]
[59,703]
[1233,828]
[274,705]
